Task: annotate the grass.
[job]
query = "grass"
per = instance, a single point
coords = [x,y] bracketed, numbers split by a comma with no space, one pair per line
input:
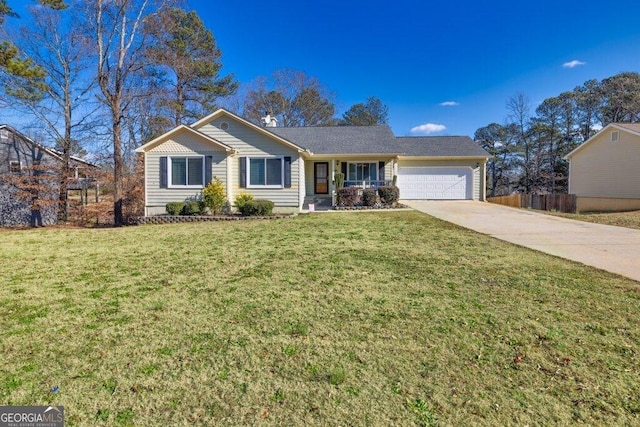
[620,219]
[390,318]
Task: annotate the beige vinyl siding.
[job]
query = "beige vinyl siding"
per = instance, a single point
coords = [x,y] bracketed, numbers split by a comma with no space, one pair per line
[251,143]
[475,165]
[180,145]
[607,169]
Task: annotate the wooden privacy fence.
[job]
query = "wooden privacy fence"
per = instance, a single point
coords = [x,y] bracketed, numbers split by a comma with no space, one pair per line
[544,202]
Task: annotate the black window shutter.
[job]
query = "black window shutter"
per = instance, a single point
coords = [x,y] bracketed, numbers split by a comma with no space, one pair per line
[343,165]
[163,172]
[381,171]
[208,164]
[287,172]
[243,172]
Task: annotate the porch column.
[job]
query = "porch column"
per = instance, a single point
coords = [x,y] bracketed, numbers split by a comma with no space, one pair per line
[333,176]
[229,179]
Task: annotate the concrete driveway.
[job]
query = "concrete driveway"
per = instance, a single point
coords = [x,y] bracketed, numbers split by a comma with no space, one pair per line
[614,249]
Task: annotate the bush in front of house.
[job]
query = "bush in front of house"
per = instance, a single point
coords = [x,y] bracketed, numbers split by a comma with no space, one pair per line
[213,196]
[192,208]
[339,180]
[257,207]
[389,194]
[175,208]
[348,196]
[240,200]
[369,196]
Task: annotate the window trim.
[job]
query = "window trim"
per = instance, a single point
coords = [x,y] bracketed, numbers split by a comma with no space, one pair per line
[170,183]
[372,162]
[13,163]
[248,171]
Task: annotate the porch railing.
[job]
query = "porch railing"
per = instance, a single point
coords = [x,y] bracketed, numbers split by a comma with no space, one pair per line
[368,184]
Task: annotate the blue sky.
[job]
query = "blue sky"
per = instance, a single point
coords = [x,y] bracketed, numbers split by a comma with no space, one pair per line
[415,55]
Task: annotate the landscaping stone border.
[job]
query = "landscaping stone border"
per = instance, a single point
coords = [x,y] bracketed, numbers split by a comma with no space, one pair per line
[363,208]
[176,219]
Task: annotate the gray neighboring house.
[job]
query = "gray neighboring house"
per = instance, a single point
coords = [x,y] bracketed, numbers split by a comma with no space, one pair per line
[18,155]
[294,167]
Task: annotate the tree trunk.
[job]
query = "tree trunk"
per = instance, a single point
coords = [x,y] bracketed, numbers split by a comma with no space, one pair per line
[66,160]
[118,166]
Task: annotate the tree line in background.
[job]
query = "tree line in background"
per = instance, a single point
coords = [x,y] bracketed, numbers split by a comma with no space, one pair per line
[528,149]
[107,76]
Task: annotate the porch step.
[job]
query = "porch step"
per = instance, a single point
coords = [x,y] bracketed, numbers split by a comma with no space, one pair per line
[319,202]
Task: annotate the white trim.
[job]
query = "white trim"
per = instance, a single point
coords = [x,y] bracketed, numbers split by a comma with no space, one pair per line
[265,131]
[248,171]
[146,188]
[170,176]
[165,137]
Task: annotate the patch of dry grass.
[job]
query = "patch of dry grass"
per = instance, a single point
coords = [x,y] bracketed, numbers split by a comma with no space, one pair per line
[620,219]
[390,318]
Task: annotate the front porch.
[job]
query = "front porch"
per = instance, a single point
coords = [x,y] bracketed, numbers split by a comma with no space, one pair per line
[320,184]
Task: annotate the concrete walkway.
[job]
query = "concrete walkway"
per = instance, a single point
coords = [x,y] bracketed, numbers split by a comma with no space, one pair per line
[614,249]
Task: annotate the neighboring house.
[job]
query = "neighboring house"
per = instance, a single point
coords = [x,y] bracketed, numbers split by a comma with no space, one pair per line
[295,166]
[22,158]
[604,171]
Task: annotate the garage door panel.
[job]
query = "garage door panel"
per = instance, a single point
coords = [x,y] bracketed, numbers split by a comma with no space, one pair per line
[435,183]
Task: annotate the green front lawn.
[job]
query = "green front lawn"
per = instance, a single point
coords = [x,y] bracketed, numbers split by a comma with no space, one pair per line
[391,318]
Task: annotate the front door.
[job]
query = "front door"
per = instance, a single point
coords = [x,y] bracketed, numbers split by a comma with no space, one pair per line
[321,177]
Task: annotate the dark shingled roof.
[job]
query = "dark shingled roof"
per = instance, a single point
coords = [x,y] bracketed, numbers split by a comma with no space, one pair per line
[441,146]
[342,139]
[377,140]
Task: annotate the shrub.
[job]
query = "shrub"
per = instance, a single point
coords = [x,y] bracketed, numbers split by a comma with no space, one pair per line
[257,208]
[175,208]
[214,196]
[348,196]
[241,199]
[191,208]
[369,196]
[339,180]
[389,194]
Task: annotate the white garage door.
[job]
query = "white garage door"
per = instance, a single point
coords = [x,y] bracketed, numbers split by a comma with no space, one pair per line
[435,183]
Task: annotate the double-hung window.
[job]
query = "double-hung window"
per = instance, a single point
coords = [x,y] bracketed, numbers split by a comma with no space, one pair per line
[186,171]
[362,171]
[265,172]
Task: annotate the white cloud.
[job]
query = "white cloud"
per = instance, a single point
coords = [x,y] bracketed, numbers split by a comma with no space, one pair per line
[428,128]
[449,104]
[573,64]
